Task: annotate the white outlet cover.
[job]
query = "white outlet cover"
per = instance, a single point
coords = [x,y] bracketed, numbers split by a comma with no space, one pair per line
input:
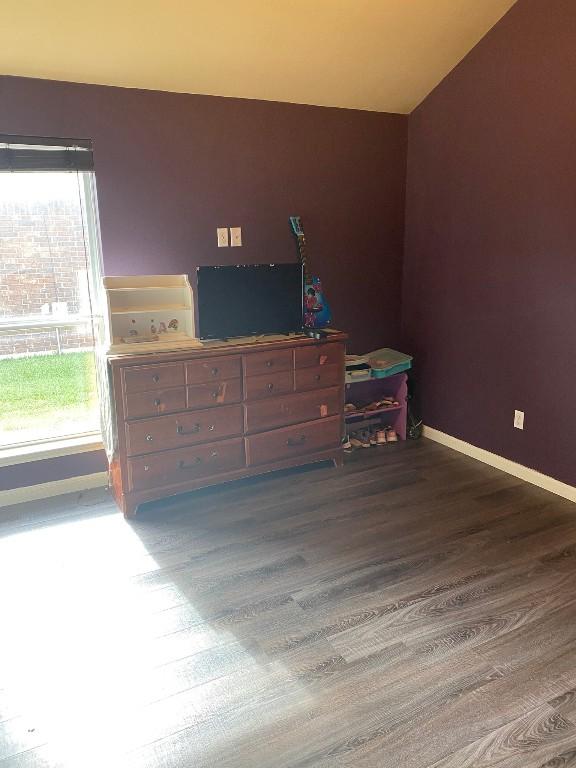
[235,236]
[519,419]
[222,234]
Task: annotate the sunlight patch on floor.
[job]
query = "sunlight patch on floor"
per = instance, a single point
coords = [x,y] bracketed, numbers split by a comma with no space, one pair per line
[88,653]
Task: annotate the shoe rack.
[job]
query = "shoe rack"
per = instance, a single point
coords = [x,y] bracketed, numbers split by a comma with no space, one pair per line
[362,393]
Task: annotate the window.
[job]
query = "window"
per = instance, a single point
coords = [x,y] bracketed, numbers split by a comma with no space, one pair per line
[49,274]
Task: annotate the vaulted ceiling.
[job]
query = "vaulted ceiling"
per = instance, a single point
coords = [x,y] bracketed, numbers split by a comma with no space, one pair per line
[382,55]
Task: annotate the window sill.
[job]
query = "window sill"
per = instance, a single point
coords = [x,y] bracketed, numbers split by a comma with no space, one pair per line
[50,449]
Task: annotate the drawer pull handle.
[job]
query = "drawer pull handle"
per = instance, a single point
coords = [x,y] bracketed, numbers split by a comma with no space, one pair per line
[156,378]
[195,429]
[183,465]
[146,467]
[211,428]
[149,438]
[317,377]
[270,387]
[296,440]
[269,363]
[214,371]
[213,454]
[157,402]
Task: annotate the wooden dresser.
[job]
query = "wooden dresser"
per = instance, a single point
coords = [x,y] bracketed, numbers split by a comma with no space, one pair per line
[186,420]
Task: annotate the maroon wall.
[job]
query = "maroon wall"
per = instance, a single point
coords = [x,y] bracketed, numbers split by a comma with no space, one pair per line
[59,468]
[172,167]
[489,302]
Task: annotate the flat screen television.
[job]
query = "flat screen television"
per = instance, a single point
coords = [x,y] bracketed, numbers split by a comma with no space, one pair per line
[249,299]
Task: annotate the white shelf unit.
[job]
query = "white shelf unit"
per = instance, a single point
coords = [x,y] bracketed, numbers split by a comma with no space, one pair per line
[147,306]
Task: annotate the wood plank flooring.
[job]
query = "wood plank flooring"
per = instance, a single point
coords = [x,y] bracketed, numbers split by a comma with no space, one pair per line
[415,609]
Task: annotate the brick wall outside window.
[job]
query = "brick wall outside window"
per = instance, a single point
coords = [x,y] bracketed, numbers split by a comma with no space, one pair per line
[42,261]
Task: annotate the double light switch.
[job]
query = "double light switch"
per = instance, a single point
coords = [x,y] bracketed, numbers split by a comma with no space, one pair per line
[235,239]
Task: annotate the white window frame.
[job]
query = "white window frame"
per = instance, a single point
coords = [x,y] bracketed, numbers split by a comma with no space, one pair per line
[80,442]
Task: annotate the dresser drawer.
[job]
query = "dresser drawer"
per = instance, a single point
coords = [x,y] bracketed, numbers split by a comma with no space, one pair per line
[142,378]
[318,377]
[291,409]
[214,393]
[322,354]
[183,429]
[155,403]
[293,441]
[268,385]
[265,362]
[213,369]
[185,464]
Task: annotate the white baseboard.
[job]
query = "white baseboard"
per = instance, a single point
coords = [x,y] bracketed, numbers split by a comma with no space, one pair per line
[54,488]
[505,465]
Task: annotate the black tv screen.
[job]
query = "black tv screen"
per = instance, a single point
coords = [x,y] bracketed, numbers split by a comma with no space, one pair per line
[251,299]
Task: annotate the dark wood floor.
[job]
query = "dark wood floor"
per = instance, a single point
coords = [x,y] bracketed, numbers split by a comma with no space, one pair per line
[415,609]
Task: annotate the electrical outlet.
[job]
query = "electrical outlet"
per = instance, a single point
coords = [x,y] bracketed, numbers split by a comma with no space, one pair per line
[519,419]
[235,236]
[222,233]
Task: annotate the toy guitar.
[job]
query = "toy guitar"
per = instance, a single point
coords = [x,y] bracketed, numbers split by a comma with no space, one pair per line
[316,310]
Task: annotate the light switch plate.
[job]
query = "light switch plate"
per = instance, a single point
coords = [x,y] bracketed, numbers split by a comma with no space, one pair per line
[235,236]
[222,234]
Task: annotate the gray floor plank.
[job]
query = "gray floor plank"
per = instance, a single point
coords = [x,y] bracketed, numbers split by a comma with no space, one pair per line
[414,609]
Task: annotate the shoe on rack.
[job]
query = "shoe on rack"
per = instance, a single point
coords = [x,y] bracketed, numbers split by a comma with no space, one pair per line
[364,437]
[381,437]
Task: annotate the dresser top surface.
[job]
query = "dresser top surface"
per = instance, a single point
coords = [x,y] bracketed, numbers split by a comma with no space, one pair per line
[233,346]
